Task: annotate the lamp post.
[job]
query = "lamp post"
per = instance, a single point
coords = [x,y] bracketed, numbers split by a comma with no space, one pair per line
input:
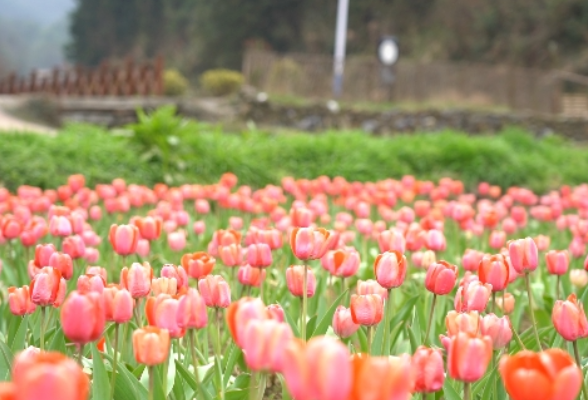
[340,42]
[388,56]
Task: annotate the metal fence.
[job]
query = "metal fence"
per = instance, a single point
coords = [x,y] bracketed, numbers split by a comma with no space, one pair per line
[306,75]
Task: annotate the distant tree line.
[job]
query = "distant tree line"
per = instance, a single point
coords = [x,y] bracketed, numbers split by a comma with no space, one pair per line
[195,35]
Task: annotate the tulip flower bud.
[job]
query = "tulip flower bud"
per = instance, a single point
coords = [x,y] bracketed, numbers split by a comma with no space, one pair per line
[367,309]
[192,313]
[48,287]
[49,376]
[276,312]
[435,240]
[83,317]
[230,255]
[471,260]
[162,311]
[43,253]
[497,239]
[390,269]
[371,287]
[506,303]
[343,324]
[557,262]
[149,227]
[60,226]
[579,278]
[143,248]
[295,277]
[473,297]
[569,319]
[263,344]
[462,322]
[151,345]
[118,304]
[428,369]
[468,356]
[392,239]
[498,329]
[495,271]
[393,374]
[63,263]
[74,246]
[90,283]
[259,255]
[310,243]
[164,285]
[341,262]
[137,279]
[19,301]
[124,239]
[523,255]
[249,276]
[240,313]
[441,278]
[215,291]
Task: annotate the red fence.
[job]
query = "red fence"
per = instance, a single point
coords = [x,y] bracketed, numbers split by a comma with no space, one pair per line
[124,79]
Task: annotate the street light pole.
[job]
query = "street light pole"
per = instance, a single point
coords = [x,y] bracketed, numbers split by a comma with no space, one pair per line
[340,42]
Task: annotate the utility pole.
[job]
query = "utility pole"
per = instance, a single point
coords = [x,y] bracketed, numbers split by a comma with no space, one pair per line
[340,42]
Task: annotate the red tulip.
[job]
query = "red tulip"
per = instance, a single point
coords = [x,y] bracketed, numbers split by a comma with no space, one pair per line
[192,312]
[557,262]
[428,369]
[495,271]
[343,324]
[367,309]
[569,319]
[549,375]
[43,253]
[83,317]
[381,377]
[523,255]
[468,356]
[309,373]
[118,304]
[19,301]
[123,239]
[390,269]
[215,291]
[263,344]
[49,376]
[441,277]
[295,277]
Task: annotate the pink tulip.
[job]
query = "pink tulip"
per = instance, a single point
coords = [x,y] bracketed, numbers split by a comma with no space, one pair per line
[523,255]
[294,280]
[263,344]
[215,291]
[498,329]
[343,324]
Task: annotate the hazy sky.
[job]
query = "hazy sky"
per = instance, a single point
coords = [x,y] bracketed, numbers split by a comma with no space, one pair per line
[40,11]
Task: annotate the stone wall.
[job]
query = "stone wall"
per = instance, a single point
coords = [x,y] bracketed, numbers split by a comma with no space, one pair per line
[328,116]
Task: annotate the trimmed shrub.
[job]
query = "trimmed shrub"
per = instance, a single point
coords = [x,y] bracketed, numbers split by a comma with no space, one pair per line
[174,83]
[221,82]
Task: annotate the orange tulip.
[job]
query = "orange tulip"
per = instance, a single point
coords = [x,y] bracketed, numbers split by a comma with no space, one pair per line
[49,376]
[198,264]
[149,227]
[151,345]
[381,377]
[548,375]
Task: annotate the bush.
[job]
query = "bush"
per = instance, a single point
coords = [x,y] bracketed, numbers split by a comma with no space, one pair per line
[203,153]
[174,83]
[221,82]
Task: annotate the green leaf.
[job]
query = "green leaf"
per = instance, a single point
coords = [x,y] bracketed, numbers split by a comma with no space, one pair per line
[449,391]
[285,393]
[190,380]
[19,340]
[291,322]
[377,349]
[100,381]
[178,388]
[231,361]
[58,341]
[127,385]
[5,361]
[327,319]
[310,325]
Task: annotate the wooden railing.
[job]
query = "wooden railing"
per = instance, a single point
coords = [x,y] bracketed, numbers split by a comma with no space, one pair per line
[127,78]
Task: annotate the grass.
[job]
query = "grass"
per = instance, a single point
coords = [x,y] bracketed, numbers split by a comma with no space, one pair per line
[203,152]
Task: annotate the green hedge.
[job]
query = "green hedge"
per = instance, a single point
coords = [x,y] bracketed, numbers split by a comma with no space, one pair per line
[204,153]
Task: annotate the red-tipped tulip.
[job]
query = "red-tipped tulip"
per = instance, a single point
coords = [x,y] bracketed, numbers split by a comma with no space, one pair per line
[569,319]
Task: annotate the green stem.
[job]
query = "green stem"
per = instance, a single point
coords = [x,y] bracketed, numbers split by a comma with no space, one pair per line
[578,361]
[114,360]
[151,381]
[164,373]
[528,284]
[255,377]
[387,311]
[42,344]
[80,353]
[370,338]
[494,376]
[304,304]
[191,336]
[261,386]
[424,396]
[518,338]
[221,388]
[493,302]
[431,315]
[466,391]
[557,287]
[261,286]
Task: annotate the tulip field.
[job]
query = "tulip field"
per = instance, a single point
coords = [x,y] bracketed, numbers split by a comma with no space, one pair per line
[319,289]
